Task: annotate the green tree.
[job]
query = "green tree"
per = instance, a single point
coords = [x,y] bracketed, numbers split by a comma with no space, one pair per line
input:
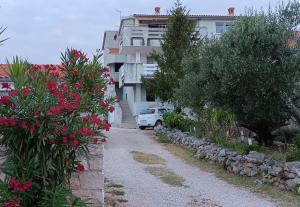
[250,70]
[177,42]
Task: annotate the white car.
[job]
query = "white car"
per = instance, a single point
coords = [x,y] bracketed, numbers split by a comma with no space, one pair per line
[151,117]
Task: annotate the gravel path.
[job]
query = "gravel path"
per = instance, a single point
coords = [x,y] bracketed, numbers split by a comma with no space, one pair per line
[145,190]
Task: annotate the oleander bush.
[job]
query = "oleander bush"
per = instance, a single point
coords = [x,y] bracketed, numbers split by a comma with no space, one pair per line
[50,117]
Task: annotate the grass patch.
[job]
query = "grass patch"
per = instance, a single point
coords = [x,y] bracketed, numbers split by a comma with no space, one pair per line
[285,198]
[163,138]
[166,176]
[148,159]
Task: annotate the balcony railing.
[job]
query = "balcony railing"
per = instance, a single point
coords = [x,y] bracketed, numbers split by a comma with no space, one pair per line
[149,70]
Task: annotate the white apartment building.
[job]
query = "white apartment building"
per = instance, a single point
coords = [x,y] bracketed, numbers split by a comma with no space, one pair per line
[127,52]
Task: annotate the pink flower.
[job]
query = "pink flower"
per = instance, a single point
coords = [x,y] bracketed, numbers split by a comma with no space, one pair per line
[24,125]
[52,140]
[111,109]
[6,85]
[72,136]
[13,121]
[64,139]
[84,131]
[107,127]
[95,140]
[4,100]
[13,93]
[80,167]
[26,92]
[12,203]
[74,143]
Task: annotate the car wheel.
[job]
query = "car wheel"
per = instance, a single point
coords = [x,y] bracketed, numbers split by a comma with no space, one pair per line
[142,127]
[158,123]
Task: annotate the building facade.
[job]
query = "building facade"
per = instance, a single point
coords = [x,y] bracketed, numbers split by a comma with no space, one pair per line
[127,52]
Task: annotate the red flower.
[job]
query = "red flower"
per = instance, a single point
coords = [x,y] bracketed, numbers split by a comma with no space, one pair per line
[74,143]
[55,110]
[24,125]
[84,131]
[52,141]
[80,167]
[52,86]
[64,129]
[19,186]
[111,109]
[64,87]
[103,140]
[6,85]
[13,121]
[107,126]
[26,92]
[75,96]
[38,123]
[95,140]
[5,100]
[37,113]
[32,129]
[13,93]
[64,139]
[72,136]
[12,203]
[93,134]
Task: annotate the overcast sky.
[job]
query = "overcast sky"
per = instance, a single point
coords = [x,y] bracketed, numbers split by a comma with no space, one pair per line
[40,29]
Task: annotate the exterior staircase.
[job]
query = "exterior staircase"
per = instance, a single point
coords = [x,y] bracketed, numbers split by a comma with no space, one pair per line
[128,120]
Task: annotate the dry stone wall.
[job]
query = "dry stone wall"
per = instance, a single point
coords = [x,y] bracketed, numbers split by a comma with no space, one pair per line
[89,184]
[285,175]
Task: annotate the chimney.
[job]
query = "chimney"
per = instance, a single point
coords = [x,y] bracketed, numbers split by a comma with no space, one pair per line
[231,11]
[157,10]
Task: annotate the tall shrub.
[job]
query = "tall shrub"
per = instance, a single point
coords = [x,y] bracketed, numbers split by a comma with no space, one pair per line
[43,128]
[250,70]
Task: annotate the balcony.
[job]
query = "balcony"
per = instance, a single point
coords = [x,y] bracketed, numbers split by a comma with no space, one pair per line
[149,70]
[140,38]
[131,73]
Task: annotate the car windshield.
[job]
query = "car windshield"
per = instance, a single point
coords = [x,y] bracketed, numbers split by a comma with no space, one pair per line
[148,111]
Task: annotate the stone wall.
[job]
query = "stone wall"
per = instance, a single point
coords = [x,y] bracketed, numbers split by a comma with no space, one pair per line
[89,184]
[285,175]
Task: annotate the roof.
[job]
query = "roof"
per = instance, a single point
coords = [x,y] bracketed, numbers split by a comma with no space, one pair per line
[4,70]
[110,40]
[191,16]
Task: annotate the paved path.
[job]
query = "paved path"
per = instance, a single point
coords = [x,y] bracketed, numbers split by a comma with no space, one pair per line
[145,190]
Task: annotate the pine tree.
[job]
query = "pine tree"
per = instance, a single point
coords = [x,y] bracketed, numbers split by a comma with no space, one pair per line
[177,42]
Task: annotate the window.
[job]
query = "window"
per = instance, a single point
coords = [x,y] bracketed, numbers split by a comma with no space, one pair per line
[118,66]
[222,27]
[162,111]
[150,97]
[150,60]
[154,42]
[137,41]
[148,111]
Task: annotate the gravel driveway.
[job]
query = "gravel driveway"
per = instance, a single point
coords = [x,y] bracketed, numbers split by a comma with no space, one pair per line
[145,190]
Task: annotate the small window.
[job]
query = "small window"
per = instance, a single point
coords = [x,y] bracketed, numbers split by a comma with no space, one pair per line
[148,111]
[118,66]
[150,60]
[222,27]
[150,97]
[136,41]
[162,111]
[154,42]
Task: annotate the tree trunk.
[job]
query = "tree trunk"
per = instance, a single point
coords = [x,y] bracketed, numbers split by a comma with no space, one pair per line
[264,136]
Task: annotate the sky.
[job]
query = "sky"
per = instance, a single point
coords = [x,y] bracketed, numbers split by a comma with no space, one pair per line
[39,30]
